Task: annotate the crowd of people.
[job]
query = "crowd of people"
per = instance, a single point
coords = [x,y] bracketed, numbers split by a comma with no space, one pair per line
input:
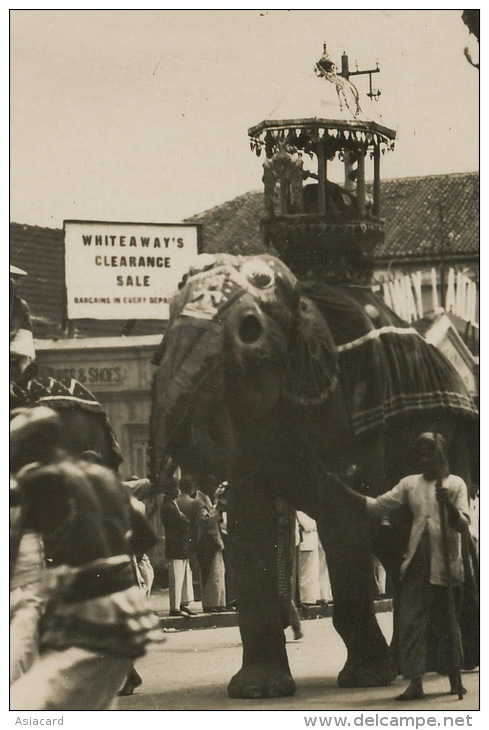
[194,517]
[80,575]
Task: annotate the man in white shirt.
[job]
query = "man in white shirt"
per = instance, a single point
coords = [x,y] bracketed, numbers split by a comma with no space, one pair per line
[423,616]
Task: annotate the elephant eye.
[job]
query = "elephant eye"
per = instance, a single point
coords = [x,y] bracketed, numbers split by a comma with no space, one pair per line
[259,274]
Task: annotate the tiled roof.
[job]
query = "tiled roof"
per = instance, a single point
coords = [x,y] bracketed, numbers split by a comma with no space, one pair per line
[39,251]
[419,211]
[234,226]
[410,206]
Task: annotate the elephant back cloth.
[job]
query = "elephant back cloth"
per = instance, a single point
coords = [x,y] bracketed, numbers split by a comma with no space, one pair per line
[67,394]
[387,368]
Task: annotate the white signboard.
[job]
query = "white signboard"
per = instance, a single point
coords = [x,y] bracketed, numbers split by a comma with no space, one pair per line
[125,270]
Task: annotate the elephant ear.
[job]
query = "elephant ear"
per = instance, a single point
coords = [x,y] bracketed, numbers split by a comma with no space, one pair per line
[312,365]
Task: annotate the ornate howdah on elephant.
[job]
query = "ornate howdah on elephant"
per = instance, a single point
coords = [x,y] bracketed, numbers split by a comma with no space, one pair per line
[313,392]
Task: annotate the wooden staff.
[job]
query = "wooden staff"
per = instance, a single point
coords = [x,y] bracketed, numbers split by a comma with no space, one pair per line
[454,633]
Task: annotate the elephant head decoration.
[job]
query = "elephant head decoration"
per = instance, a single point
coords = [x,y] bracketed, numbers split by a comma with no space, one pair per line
[242,336]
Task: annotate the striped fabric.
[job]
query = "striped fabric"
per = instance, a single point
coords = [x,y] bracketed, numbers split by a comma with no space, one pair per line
[66,393]
[387,369]
[396,373]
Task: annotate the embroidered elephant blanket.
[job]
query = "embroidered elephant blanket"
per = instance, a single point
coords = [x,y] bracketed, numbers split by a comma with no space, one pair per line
[387,368]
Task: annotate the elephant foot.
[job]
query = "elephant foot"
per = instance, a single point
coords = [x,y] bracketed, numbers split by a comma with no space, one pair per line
[259,682]
[374,675]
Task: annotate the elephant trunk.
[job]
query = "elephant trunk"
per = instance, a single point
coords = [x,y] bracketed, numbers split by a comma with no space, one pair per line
[189,420]
[213,373]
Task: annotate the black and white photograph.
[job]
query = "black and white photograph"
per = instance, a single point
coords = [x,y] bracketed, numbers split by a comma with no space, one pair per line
[244,284]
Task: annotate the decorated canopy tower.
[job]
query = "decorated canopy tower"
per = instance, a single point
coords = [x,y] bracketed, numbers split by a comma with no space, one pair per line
[316,224]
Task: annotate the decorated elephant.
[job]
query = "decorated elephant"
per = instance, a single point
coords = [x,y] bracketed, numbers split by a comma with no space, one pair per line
[309,391]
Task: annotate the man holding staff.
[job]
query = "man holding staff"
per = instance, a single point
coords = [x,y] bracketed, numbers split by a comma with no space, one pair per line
[431,595]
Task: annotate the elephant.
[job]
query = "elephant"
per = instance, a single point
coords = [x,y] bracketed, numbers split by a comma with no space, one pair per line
[315,393]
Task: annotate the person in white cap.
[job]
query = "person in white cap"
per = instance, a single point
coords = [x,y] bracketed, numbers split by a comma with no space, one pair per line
[22,351]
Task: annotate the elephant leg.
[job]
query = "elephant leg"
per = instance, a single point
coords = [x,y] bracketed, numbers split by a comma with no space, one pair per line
[388,544]
[344,531]
[265,671]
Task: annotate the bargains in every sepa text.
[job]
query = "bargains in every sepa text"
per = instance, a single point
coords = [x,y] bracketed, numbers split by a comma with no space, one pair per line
[121,300]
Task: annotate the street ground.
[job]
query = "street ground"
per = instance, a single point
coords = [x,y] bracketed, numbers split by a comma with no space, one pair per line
[191,670]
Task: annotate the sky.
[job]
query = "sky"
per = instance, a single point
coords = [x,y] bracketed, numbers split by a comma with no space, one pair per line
[142,115]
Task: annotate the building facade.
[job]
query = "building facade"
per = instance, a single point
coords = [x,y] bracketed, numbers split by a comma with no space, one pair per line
[118,371]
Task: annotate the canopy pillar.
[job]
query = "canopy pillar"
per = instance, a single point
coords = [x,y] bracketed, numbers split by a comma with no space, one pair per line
[361,185]
[376,188]
[324,203]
